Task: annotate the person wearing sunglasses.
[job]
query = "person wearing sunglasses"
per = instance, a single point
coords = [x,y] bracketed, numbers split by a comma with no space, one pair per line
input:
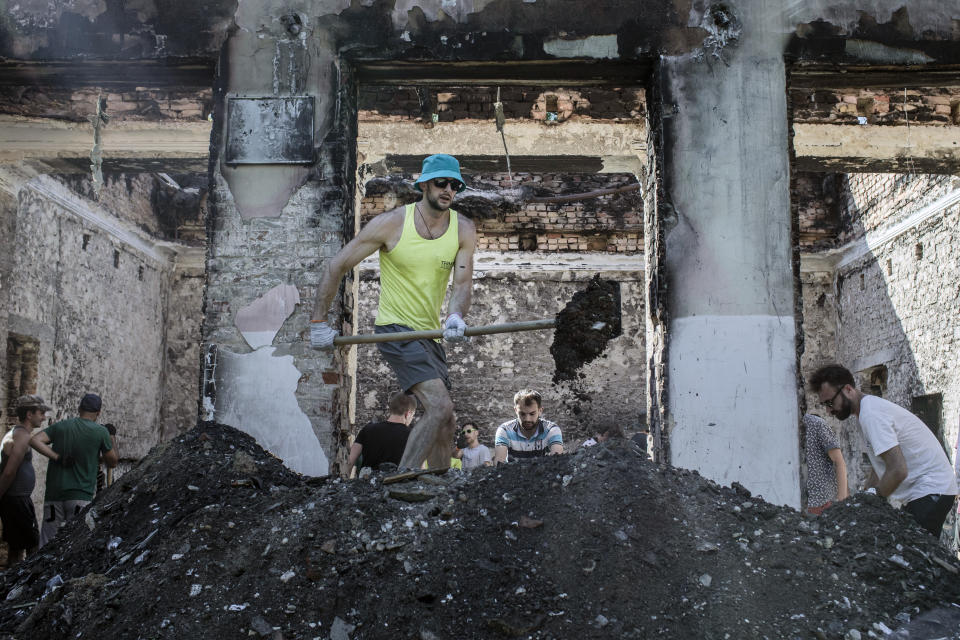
[474,454]
[420,245]
[910,466]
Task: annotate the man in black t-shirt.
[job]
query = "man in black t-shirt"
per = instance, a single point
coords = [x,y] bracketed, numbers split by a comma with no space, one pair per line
[380,442]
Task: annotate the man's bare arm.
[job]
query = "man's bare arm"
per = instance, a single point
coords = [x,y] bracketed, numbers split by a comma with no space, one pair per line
[555,449]
[376,234]
[18,449]
[500,452]
[111,458]
[355,450]
[894,473]
[840,468]
[41,444]
[463,268]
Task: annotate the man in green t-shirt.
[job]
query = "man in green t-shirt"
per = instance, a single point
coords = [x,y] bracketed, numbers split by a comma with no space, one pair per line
[75,448]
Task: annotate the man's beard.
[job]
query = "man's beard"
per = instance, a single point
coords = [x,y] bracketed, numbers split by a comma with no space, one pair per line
[435,203]
[843,411]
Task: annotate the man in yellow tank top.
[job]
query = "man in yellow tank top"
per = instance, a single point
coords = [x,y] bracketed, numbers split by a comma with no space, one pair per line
[419,244]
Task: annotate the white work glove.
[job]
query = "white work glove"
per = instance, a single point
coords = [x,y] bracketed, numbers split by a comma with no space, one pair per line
[453,329]
[321,335]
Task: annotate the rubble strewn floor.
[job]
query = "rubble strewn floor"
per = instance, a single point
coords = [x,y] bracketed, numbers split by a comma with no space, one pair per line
[211,537]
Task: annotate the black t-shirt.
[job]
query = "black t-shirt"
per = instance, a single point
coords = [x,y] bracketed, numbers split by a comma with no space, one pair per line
[382,442]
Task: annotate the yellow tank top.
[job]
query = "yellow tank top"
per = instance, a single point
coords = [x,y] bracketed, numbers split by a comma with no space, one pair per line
[414,275]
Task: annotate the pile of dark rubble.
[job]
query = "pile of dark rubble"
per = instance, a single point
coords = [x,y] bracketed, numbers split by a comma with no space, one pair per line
[211,537]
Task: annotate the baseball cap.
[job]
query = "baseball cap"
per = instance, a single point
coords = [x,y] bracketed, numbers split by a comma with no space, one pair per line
[32,402]
[90,402]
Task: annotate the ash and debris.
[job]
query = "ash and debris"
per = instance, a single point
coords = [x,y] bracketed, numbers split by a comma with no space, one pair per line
[584,327]
[211,537]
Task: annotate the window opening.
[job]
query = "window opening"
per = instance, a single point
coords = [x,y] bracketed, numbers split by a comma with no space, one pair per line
[22,362]
[874,380]
[929,408]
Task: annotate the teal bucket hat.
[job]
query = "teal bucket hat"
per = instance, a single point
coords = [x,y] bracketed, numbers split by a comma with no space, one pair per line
[440,165]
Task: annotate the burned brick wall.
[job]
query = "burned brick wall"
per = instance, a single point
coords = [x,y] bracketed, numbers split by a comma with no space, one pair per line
[927,105]
[76,104]
[818,199]
[450,104]
[488,370]
[611,223]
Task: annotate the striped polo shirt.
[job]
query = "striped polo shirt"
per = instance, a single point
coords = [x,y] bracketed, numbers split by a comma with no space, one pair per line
[509,436]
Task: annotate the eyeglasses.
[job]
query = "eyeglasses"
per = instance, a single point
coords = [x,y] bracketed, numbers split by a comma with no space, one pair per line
[443,183]
[829,403]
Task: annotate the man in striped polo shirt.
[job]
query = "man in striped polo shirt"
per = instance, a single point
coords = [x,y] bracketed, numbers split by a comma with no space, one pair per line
[528,435]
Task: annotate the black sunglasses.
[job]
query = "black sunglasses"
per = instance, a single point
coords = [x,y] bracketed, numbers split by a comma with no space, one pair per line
[442,183]
[829,403]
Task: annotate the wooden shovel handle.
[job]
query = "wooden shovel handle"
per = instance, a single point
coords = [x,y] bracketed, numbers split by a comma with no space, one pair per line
[483,330]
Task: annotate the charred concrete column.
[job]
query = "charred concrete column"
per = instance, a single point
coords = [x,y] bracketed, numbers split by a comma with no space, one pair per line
[730,358]
[281,198]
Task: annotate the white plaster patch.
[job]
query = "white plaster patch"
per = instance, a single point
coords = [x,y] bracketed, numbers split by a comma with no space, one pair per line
[590,47]
[256,393]
[260,320]
[733,399]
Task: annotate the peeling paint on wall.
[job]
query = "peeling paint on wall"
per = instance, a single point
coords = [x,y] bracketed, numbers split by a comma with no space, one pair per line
[256,392]
[260,320]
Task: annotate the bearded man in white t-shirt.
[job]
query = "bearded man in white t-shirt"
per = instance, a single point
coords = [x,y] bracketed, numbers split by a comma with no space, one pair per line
[909,464]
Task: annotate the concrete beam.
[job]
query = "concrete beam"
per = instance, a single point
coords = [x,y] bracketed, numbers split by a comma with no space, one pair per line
[622,147]
[854,148]
[34,138]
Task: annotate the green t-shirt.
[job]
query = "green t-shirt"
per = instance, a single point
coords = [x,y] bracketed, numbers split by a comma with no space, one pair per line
[84,440]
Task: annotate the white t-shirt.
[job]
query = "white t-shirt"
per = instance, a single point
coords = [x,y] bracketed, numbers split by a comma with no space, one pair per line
[886,425]
[476,456]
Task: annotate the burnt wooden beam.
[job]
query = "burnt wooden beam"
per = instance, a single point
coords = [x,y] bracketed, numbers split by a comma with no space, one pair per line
[110,74]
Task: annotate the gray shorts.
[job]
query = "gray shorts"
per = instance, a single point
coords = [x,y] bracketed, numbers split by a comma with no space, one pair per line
[56,514]
[413,361]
